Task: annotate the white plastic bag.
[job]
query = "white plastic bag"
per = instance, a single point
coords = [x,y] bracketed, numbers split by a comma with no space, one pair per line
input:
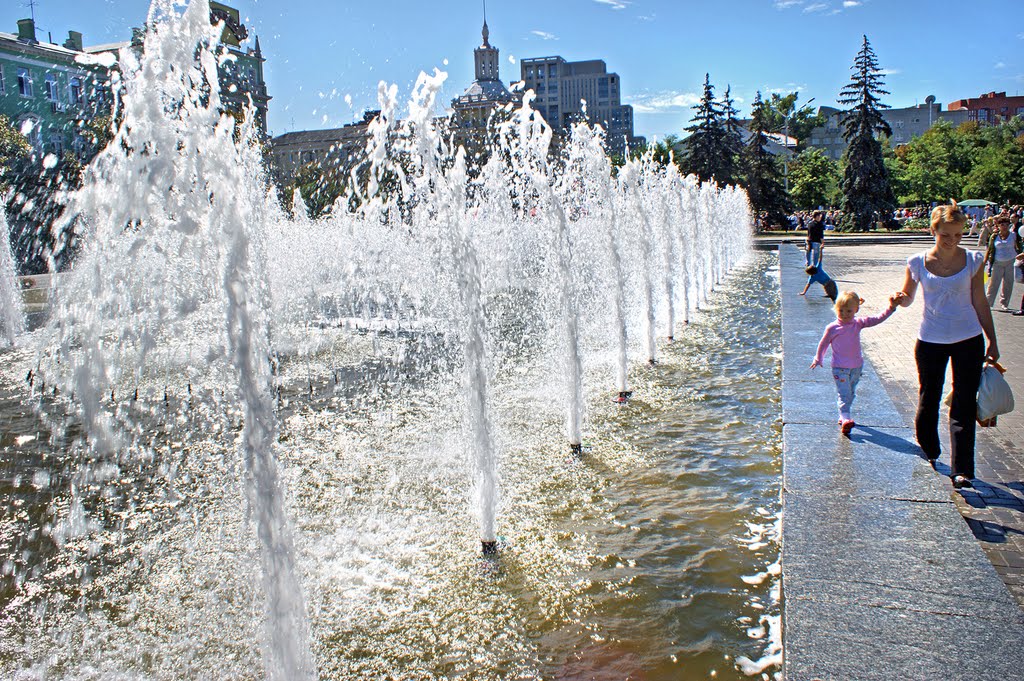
[994,394]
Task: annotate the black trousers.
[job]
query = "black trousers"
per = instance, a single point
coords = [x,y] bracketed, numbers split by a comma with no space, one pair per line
[967,357]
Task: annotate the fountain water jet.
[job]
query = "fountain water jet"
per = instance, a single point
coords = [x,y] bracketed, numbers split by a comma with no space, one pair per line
[392,295]
[12,316]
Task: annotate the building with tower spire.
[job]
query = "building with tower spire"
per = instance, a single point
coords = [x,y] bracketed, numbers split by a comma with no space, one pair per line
[472,110]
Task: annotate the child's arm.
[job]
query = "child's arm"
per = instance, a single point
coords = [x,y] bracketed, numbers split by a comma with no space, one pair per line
[826,340]
[876,319]
[806,286]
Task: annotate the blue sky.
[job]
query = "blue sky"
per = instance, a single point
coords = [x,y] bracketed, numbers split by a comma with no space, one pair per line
[324,58]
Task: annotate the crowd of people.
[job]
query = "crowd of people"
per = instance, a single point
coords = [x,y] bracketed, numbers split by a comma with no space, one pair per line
[956,322]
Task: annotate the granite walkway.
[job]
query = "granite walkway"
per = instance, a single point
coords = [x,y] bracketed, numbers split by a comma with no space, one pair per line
[882,577]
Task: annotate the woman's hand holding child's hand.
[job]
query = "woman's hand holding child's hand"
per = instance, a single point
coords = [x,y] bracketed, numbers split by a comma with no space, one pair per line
[895,299]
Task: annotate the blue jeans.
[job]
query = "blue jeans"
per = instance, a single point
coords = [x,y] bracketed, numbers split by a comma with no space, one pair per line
[813,254]
[846,386]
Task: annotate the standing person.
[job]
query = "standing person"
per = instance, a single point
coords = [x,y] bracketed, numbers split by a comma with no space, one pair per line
[1003,248]
[815,237]
[956,312]
[843,335]
[986,233]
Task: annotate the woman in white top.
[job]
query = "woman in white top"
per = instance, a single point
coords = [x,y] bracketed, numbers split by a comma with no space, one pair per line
[1003,249]
[956,312]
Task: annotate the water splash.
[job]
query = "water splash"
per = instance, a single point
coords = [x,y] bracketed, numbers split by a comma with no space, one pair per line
[12,315]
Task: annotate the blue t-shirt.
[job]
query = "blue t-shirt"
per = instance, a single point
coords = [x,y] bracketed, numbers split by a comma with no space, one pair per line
[820,277]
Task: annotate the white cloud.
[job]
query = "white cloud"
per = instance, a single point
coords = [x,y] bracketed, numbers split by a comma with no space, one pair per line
[666,101]
[847,4]
[786,4]
[544,35]
[890,72]
[614,4]
[1001,65]
[815,7]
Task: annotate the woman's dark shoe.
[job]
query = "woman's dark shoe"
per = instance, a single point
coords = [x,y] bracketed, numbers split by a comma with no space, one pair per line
[960,481]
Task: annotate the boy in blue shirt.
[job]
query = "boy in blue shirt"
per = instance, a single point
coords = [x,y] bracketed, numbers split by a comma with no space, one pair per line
[817,274]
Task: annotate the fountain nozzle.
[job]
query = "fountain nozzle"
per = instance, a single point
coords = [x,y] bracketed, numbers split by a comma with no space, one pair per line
[623,396]
[489,547]
[651,361]
[576,449]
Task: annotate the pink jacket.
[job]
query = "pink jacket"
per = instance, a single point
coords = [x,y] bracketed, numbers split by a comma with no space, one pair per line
[845,340]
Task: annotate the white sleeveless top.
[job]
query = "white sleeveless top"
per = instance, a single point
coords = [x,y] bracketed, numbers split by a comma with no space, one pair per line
[949,315]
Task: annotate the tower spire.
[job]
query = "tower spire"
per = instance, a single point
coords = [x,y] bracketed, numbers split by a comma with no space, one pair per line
[487,33]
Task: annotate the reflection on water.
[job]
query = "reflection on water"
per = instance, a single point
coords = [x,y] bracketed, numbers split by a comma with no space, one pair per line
[653,556]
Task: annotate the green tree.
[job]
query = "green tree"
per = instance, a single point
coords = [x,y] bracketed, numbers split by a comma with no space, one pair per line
[706,147]
[998,174]
[13,148]
[764,177]
[814,180]
[730,172]
[932,167]
[866,186]
[663,151]
[801,119]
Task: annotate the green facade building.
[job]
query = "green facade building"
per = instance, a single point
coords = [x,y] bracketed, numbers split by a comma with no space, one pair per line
[50,92]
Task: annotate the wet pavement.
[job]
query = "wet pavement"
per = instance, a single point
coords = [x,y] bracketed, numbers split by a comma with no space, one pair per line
[882,576]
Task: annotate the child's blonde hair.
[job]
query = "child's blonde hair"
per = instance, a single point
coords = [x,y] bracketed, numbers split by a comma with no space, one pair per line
[951,214]
[848,297]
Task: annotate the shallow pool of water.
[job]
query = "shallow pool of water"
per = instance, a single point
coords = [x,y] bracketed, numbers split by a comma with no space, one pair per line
[653,556]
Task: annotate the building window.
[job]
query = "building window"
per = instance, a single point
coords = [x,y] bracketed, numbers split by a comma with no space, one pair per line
[899,125]
[51,87]
[79,146]
[57,143]
[75,90]
[552,71]
[24,83]
[983,114]
[602,88]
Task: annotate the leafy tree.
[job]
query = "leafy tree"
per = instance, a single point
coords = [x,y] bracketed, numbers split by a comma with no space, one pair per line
[663,151]
[814,180]
[764,178]
[13,148]
[706,148]
[866,186]
[998,173]
[801,120]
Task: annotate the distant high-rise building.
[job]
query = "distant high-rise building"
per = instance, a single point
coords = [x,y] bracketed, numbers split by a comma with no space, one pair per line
[562,87]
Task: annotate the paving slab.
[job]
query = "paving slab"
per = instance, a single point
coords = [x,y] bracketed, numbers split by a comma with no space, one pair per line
[873,463]
[882,577]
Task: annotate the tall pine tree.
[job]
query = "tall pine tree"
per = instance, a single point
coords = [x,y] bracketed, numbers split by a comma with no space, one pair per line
[733,140]
[705,148]
[867,190]
[764,178]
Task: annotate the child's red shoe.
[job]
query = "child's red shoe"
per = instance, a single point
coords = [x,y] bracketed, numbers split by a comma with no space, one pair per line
[847,426]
